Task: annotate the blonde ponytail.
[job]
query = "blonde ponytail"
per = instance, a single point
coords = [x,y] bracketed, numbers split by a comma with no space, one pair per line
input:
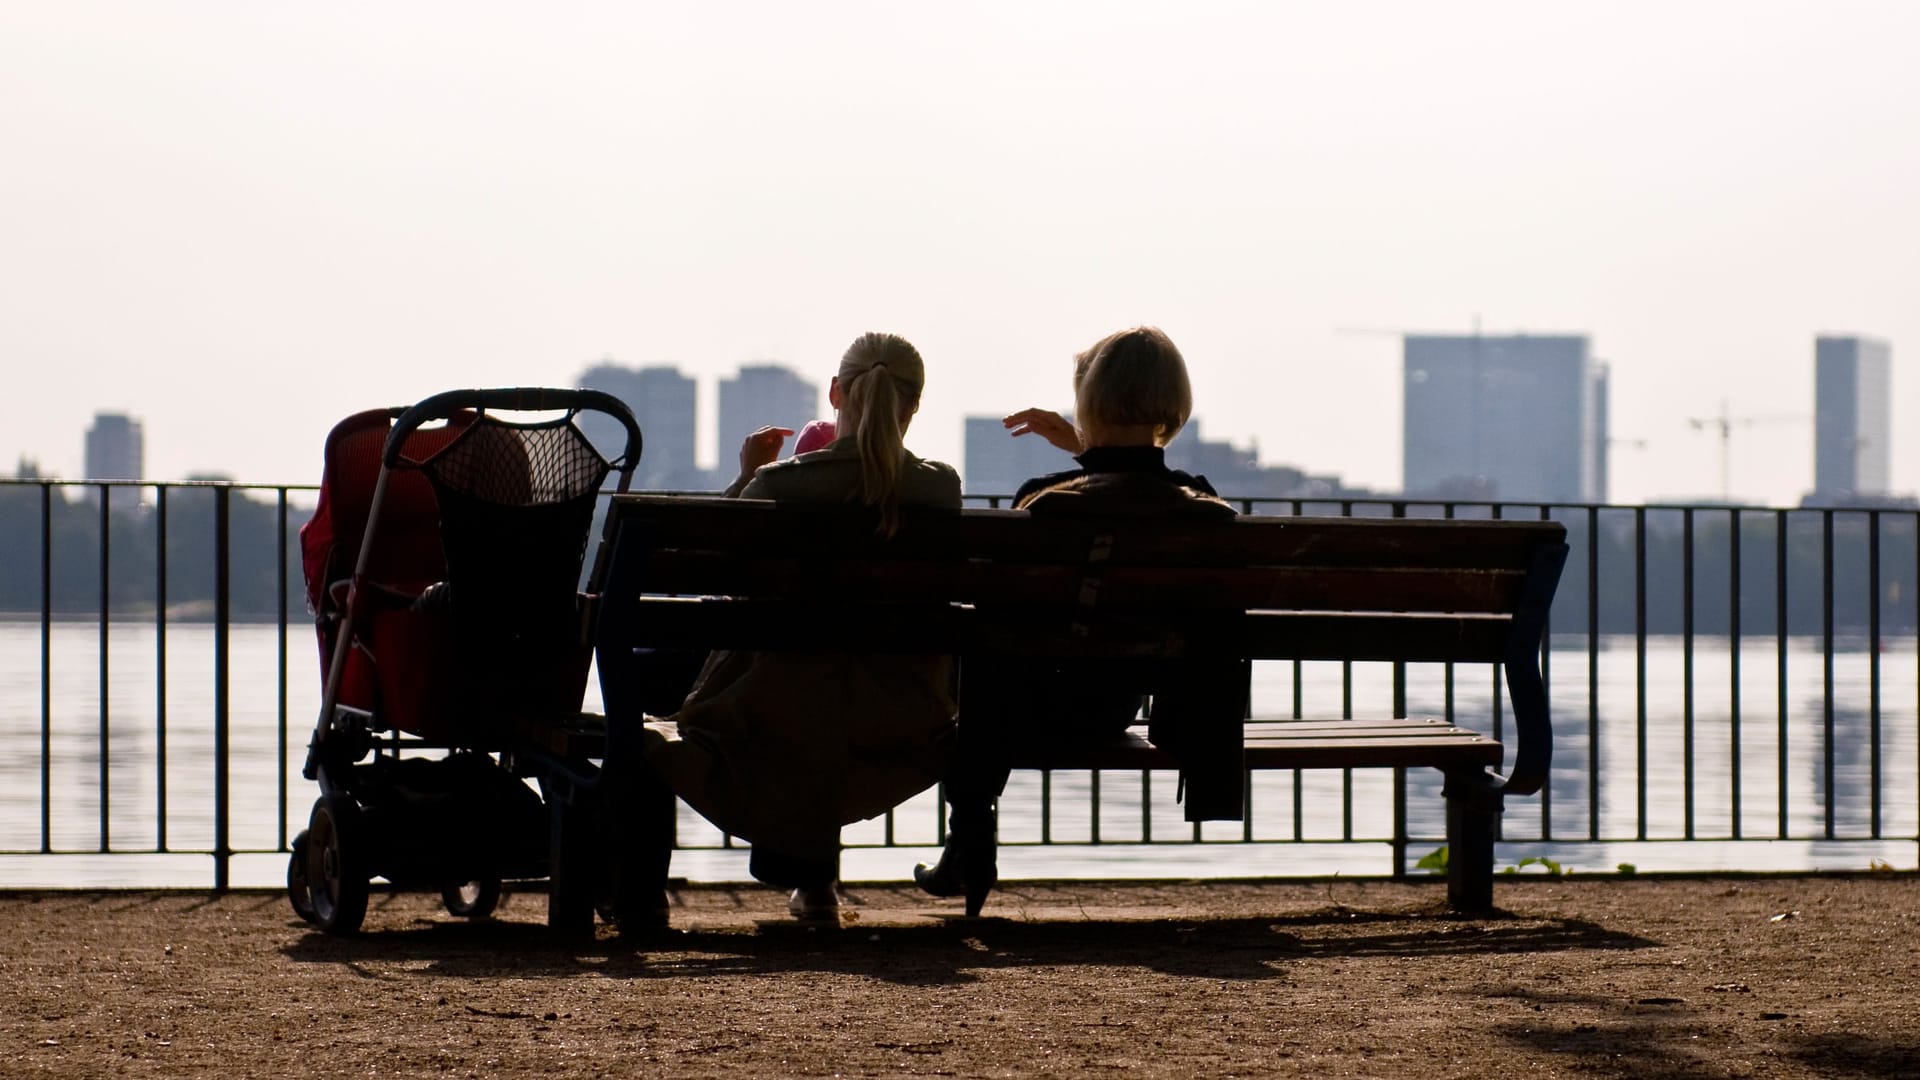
[880,376]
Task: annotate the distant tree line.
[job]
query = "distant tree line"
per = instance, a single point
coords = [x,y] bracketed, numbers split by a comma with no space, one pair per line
[73,528]
[134,544]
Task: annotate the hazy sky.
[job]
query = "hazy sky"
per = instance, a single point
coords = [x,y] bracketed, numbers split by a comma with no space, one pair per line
[243,221]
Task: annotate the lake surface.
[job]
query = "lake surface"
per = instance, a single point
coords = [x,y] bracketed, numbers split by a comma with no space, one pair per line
[1780,765]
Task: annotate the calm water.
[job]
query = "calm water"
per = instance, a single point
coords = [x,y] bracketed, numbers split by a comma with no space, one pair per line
[262,751]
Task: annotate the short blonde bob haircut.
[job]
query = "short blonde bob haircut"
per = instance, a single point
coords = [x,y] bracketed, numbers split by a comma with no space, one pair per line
[1132,378]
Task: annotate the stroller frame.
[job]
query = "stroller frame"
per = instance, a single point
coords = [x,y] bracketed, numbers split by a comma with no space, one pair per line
[462,627]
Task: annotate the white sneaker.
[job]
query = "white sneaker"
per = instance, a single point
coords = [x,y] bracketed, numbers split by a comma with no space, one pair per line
[820,905]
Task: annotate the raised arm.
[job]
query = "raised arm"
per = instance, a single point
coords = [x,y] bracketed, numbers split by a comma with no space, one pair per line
[757,449]
[1047,424]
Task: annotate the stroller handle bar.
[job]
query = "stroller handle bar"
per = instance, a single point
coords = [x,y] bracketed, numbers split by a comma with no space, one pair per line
[513,399]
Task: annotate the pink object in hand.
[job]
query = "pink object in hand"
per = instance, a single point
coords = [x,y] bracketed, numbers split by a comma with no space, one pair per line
[817,435]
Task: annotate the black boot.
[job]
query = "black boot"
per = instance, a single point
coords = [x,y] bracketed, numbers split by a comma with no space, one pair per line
[968,864]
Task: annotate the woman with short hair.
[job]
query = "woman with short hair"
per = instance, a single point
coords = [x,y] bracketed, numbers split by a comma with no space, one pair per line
[1131,397]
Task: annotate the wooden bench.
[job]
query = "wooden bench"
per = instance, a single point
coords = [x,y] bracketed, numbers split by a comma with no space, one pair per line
[704,573]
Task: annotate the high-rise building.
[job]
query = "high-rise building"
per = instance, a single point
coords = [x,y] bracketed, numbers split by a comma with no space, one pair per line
[1852,424]
[664,403]
[996,463]
[759,396]
[1510,417]
[116,450]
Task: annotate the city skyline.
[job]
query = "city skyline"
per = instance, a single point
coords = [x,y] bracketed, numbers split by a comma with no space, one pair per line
[242,223]
[1509,442]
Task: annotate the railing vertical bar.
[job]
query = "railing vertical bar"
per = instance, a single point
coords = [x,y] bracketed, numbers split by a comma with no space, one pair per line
[940,814]
[1780,659]
[1826,638]
[1686,670]
[1046,806]
[1593,673]
[1346,775]
[1299,805]
[1400,778]
[280,562]
[1546,684]
[1499,713]
[1299,800]
[1640,667]
[160,665]
[1873,671]
[46,668]
[1246,806]
[222,613]
[106,755]
[1093,799]
[1146,807]
[1733,665]
[1446,512]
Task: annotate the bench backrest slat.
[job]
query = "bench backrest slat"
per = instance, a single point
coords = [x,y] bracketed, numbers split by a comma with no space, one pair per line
[748,528]
[1269,586]
[870,580]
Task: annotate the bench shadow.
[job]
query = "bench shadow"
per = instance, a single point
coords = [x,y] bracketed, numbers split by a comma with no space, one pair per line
[953,950]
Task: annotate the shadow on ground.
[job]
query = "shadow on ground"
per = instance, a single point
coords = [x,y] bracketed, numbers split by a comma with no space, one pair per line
[1657,1039]
[952,949]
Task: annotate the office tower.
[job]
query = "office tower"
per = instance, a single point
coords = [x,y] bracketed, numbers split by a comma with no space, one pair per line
[1602,439]
[1230,469]
[996,463]
[116,451]
[762,395]
[1852,425]
[664,403]
[1513,417]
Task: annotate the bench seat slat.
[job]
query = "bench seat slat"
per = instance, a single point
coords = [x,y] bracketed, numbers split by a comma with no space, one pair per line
[1414,744]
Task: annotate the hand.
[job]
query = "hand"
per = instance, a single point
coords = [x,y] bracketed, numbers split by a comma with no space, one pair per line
[761,447]
[1049,425]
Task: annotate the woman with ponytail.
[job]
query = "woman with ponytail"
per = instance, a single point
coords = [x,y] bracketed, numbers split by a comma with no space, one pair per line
[783,749]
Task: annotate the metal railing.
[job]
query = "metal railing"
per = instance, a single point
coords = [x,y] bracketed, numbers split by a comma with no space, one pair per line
[1698,717]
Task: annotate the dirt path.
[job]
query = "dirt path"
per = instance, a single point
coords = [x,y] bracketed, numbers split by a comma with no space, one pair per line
[1757,977]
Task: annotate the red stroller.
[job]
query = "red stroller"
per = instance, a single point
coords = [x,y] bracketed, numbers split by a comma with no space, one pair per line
[443,566]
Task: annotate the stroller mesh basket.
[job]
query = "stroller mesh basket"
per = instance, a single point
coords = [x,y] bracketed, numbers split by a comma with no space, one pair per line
[516,507]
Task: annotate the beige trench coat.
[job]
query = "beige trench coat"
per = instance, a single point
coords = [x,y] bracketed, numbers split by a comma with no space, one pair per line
[782,749]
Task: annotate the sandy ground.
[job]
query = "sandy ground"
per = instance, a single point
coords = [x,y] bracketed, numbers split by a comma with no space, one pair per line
[1760,977]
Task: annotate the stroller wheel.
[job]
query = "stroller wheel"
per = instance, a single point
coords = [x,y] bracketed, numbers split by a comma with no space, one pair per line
[472,899]
[336,864]
[299,892]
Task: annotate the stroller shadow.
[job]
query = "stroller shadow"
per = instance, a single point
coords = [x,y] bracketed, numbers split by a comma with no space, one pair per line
[952,950]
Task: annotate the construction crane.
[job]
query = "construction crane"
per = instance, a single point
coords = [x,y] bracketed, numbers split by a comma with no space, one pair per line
[1724,424]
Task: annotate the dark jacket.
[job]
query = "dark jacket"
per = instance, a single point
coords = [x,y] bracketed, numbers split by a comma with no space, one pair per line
[1197,704]
[1122,481]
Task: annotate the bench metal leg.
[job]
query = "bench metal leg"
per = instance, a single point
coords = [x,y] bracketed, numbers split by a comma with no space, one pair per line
[636,836]
[570,858]
[1474,802]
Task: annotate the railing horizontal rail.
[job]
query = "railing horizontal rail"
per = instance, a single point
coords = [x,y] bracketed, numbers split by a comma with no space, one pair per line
[1720,675]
